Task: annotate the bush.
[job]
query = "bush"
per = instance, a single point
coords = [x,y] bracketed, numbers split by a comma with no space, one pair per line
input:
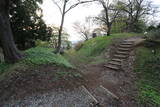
[147,64]
[150,28]
[4,67]
[153,35]
[78,46]
[40,43]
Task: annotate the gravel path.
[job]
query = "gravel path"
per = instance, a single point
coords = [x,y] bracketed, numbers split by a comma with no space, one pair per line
[58,98]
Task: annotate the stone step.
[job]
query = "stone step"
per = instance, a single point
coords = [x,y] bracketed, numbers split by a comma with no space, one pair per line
[124,49]
[127,43]
[131,41]
[117,60]
[122,52]
[120,56]
[125,46]
[115,63]
[113,67]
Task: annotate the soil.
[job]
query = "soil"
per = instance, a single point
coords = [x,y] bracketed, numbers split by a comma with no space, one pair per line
[37,87]
[23,83]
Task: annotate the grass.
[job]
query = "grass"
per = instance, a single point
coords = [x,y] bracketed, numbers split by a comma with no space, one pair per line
[148,66]
[39,56]
[93,49]
[63,74]
[97,45]
[35,57]
[4,67]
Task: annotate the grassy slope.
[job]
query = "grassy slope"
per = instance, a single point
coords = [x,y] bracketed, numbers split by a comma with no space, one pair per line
[34,57]
[148,65]
[93,48]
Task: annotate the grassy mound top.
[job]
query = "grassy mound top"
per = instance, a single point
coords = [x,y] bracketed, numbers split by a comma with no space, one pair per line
[37,56]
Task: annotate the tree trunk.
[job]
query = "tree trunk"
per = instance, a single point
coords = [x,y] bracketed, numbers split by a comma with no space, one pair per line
[109,30]
[11,53]
[61,28]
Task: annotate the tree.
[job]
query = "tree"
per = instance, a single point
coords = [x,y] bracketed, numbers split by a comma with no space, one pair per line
[64,7]
[27,24]
[158,26]
[54,37]
[109,14]
[83,29]
[137,10]
[11,53]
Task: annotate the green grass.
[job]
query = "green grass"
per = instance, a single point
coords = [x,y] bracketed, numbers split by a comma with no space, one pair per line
[4,67]
[96,46]
[64,75]
[35,57]
[148,66]
[93,48]
[39,56]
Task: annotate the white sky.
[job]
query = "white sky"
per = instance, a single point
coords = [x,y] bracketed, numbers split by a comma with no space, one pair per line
[51,15]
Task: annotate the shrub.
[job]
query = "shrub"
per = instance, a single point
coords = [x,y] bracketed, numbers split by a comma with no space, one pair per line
[4,67]
[40,43]
[78,46]
[147,64]
[153,35]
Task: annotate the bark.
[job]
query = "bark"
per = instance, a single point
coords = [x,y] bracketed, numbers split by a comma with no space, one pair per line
[11,53]
[61,28]
[109,30]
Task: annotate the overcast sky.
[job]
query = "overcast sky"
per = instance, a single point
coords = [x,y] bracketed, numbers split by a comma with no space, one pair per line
[51,15]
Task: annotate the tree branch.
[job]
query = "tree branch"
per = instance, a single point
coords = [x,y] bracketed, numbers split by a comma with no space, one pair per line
[115,16]
[102,19]
[76,4]
[57,6]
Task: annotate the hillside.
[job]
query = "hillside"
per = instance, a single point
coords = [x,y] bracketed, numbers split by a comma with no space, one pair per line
[93,50]
[147,66]
[44,78]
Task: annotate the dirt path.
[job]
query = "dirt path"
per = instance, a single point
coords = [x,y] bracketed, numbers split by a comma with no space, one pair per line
[111,84]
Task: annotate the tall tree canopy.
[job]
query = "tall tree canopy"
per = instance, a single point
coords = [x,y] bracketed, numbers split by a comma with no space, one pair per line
[26,22]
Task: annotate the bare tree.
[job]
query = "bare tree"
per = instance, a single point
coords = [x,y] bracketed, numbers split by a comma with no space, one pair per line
[84,29]
[64,7]
[109,14]
[11,53]
[137,10]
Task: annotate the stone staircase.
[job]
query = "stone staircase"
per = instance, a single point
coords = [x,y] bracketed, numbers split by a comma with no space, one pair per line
[122,53]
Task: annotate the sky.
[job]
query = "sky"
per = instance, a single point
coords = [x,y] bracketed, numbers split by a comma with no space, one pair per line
[51,15]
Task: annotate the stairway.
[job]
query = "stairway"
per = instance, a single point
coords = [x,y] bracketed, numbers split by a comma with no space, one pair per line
[121,54]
